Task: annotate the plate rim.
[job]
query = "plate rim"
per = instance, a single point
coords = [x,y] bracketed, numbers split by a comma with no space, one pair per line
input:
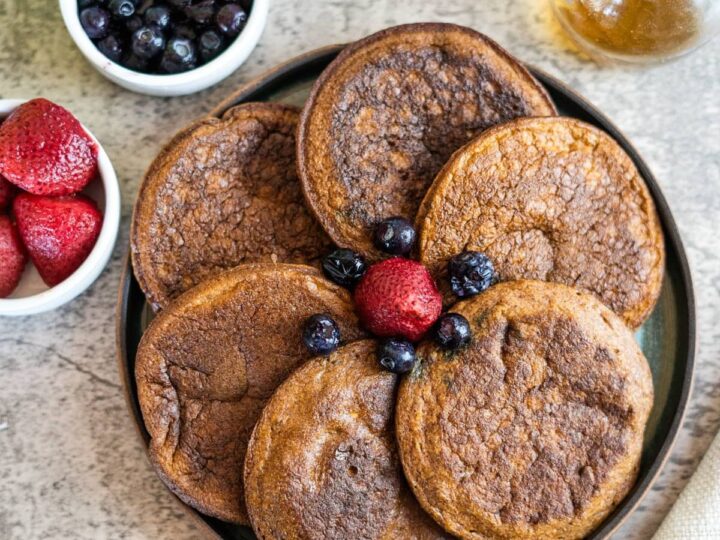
[274,77]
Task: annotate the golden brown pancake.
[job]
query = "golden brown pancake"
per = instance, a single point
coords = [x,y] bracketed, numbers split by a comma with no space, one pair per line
[208,363]
[552,199]
[322,461]
[223,192]
[535,429]
[387,113]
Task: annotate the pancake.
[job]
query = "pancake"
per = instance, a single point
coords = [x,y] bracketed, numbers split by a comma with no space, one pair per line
[208,363]
[322,461]
[552,199]
[223,192]
[386,114]
[534,431]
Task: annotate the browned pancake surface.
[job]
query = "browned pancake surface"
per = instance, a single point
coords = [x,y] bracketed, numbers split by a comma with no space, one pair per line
[553,199]
[390,109]
[223,192]
[208,363]
[322,461]
[535,429]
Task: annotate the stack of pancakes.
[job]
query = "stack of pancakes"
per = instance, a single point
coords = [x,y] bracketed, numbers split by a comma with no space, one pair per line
[532,431]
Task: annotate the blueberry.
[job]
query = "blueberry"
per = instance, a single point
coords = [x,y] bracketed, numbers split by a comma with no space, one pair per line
[158,16]
[147,42]
[396,355]
[321,334]
[201,12]
[230,19]
[210,44]
[394,235]
[470,273]
[95,21]
[344,267]
[452,331]
[121,9]
[179,56]
[111,46]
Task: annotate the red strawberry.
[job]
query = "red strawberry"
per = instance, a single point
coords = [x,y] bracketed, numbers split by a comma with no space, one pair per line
[398,297]
[58,232]
[45,150]
[12,257]
[7,190]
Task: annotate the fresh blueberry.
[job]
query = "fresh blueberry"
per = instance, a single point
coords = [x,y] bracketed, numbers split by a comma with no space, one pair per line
[133,23]
[471,272]
[111,47]
[158,16]
[95,21]
[179,56]
[201,12]
[452,331]
[321,334]
[396,355]
[230,19]
[121,9]
[394,235]
[344,267]
[211,44]
[147,42]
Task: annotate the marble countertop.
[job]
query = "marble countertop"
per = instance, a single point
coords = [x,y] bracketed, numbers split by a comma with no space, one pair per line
[71,465]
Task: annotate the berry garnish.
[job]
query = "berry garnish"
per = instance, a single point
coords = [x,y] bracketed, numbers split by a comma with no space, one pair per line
[58,232]
[344,267]
[95,21]
[7,190]
[470,272]
[158,16]
[45,150]
[452,331]
[12,255]
[396,355]
[398,297]
[179,55]
[147,42]
[211,44]
[231,19]
[111,47]
[121,9]
[321,334]
[394,235]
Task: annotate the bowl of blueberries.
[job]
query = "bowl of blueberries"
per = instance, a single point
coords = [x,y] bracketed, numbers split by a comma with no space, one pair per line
[165,47]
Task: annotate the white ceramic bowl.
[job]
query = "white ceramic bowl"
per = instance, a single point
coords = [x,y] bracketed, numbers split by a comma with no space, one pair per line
[32,295]
[170,85]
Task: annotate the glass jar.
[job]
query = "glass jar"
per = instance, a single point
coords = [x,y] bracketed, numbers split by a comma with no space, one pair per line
[638,31]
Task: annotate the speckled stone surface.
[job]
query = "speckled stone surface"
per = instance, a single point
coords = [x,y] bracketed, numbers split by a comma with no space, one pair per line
[70,463]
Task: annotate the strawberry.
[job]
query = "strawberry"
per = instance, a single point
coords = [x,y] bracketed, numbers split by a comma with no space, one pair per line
[7,190]
[12,257]
[45,150]
[398,297]
[58,232]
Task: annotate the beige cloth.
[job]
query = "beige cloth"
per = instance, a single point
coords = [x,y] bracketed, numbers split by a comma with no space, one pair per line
[696,514]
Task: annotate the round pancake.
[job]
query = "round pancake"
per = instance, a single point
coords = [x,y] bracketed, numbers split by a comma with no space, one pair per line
[535,429]
[552,199]
[386,114]
[322,461]
[223,192]
[208,363]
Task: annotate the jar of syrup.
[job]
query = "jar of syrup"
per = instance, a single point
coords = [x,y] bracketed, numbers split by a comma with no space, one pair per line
[638,30]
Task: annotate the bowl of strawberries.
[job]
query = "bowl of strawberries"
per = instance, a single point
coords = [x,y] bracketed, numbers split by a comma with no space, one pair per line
[59,207]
